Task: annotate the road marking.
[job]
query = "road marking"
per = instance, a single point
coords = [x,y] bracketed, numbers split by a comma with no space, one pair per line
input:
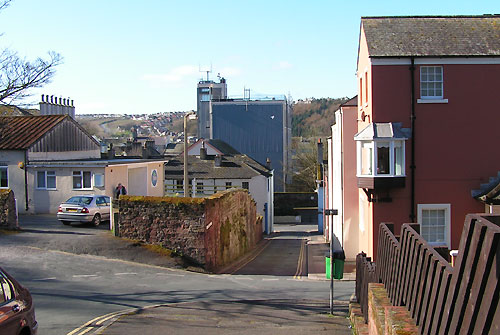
[242,278]
[298,273]
[270,279]
[169,274]
[125,273]
[83,276]
[42,279]
[252,258]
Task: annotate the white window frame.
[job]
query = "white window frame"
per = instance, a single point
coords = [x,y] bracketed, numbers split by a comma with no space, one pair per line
[422,81]
[46,175]
[98,179]
[6,168]
[373,145]
[447,223]
[81,174]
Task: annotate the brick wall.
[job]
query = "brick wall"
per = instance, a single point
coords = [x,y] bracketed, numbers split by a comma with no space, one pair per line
[211,231]
[8,216]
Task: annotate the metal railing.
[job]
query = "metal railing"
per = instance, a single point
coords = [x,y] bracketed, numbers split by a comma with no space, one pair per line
[200,190]
[441,299]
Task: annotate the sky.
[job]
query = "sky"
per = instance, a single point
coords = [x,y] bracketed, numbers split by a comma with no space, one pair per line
[143,57]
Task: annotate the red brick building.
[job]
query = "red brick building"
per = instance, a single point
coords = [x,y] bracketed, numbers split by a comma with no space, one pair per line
[428,116]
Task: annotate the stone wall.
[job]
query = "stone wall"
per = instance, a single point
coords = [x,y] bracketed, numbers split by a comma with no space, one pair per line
[211,232]
[8,216]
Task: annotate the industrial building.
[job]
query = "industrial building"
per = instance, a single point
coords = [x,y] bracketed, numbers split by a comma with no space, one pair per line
[260,128]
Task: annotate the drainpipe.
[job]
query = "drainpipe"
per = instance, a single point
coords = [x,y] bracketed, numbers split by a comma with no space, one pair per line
[412,119]
[26,179]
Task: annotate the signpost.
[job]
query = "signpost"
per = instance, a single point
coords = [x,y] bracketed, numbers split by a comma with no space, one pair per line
[331,212]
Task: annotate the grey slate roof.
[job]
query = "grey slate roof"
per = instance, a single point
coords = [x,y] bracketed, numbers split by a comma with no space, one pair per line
[390,130]
[432,36]
[233,167]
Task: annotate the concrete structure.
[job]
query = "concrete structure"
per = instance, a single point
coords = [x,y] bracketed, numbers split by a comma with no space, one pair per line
[260,129]
[341,183]
[427,122]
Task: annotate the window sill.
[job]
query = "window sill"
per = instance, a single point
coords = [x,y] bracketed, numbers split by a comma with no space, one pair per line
[432,101]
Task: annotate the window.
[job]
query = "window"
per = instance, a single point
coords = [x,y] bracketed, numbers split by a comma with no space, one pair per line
[431,82]
[245,185]
[46,180]
[4,177]
[228,184]
[199,187]
[386,156]
[82,180]
[6,292]
[434,220]
[99,180]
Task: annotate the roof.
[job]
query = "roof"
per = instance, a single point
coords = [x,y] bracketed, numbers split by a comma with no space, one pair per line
[353,102]
[390,130]
[218,145]
[432,36]
[489,192]
[233,167]
[20,132]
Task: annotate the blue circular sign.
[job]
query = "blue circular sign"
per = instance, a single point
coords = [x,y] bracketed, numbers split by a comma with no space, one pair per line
[154,177]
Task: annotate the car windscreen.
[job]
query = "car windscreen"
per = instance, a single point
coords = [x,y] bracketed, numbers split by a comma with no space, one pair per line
[79,200]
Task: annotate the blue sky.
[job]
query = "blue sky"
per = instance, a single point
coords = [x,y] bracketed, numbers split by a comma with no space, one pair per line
[144,56]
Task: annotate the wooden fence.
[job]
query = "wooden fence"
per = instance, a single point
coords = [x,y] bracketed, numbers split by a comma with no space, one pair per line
[440,298]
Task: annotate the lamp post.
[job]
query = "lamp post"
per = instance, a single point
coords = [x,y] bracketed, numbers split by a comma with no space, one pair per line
[191,116]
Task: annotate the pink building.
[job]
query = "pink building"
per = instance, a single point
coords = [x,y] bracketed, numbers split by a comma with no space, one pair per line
[341,191]
[428,116]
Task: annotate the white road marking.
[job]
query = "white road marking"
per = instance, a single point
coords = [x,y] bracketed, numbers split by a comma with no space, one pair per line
[42,279]
[83,276]
[242,278]
[170,274]
[270,279]
[125,273]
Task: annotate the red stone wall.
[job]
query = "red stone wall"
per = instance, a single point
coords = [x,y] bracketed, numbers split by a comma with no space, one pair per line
[8,216]
[212,231]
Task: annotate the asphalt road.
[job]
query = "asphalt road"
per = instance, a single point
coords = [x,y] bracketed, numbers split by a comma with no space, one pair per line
[78,273]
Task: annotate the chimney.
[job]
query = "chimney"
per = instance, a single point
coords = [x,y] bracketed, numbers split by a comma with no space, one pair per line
[218,160]
[268,163]
[320,151]
[203,153]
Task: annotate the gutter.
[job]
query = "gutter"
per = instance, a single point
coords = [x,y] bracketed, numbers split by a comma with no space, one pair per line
[26,180]
[412,119]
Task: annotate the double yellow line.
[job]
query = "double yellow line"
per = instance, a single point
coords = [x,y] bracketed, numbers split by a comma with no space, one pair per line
[300,262]
[98,323]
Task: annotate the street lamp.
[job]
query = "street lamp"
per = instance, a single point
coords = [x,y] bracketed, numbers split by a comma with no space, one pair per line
[191,116]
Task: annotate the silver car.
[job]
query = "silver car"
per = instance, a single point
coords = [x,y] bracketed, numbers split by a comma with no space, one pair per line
[85,208]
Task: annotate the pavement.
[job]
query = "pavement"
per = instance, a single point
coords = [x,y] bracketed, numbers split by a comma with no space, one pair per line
[234,317]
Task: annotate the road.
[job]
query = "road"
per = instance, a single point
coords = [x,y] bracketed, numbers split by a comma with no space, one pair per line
[74,276]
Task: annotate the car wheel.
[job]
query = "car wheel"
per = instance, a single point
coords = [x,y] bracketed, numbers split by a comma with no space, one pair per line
[97,220]
[66,223]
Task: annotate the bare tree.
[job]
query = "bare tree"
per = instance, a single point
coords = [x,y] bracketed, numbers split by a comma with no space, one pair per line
[18,75]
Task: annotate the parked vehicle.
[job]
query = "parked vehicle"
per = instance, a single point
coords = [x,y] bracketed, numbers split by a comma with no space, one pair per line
[85,208]
[17,313]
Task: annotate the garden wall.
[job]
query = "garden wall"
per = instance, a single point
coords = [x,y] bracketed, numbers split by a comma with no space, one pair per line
[8,215]
[211,232]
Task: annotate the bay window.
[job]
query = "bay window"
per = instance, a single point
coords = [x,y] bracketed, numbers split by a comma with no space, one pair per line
[381,153]
[386,156]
